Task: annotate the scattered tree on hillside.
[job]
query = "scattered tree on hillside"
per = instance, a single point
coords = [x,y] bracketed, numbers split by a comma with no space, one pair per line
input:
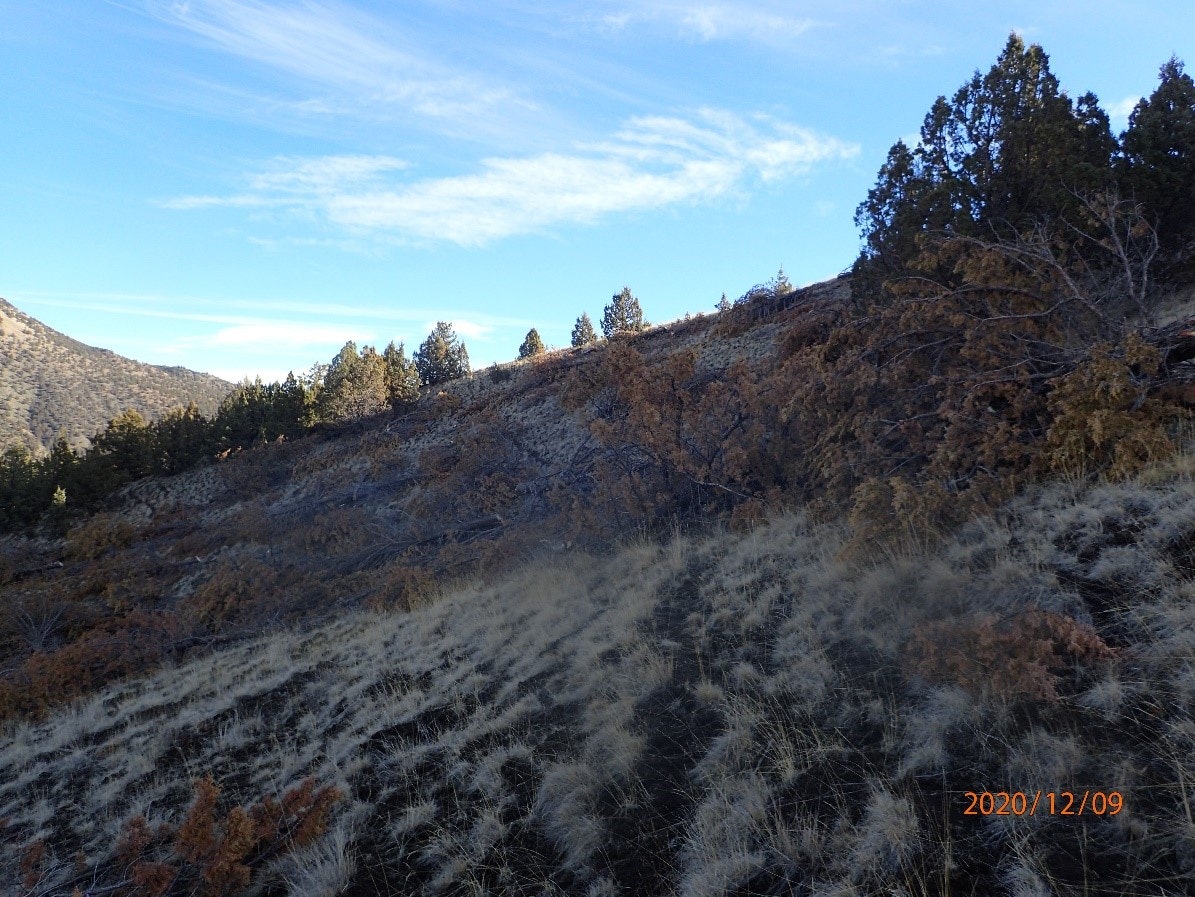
[1009,149]
[402,376]
[362,387]
[61,467]
[441,357]
[724,304]
[259,412]
[182,439]
[583,332]
[532,344]
[354,386]
[20,498]
[126,448]
[1158,160]
[622,315]
[779,284]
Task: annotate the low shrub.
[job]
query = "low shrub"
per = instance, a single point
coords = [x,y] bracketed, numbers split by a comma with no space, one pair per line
[98,535]
[1019,656]
[213,855]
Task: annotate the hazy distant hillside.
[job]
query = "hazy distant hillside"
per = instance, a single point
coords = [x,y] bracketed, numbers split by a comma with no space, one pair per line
[50,383]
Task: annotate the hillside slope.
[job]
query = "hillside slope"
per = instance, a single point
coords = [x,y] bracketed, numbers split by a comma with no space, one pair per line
[725,714]
[453,650]
[51,384]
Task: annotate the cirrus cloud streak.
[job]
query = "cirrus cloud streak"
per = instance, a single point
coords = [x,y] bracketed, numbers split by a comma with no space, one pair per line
[650,163]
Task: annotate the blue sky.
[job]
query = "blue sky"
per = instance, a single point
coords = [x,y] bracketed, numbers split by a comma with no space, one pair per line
[241,187]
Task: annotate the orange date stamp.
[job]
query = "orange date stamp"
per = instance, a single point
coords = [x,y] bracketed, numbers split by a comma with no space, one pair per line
[1051,803]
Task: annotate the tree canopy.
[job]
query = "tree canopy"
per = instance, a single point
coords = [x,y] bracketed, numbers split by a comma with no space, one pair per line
[442,357]
[532,344]
[402,375]
[622,315]
[355,385]
[1158,162]
[1007,150]
[583,332]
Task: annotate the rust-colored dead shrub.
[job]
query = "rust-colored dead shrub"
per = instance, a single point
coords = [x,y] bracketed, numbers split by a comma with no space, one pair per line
[215,855]
[114,649]
[476,475]
[895,514]
[153,879]
[1019,656]
[403,588]
[1102,419]
[236,589]
[98,535]
[338,531]
[548,368]
[31,867]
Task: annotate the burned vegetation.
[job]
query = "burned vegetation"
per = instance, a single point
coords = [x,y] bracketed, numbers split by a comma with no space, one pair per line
[747,604]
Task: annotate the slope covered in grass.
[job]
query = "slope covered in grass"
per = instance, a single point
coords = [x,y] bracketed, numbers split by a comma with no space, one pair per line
[52,385]
[722,714]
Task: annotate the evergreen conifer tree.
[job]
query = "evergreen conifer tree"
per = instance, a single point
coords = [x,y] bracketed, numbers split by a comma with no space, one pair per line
[291,399]
[532,344]
[441,357]
[780,285]
[622,315]
[583,332]
[355,385]
[724,304]
[1008,151]
[402,377]
[1159,157]
[125,450]
[22,495]
[181,437]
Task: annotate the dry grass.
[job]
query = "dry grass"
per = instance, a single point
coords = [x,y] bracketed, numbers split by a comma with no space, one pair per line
[723,714]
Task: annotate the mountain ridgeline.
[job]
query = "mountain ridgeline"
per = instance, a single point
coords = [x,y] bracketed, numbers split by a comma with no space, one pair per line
[52,385]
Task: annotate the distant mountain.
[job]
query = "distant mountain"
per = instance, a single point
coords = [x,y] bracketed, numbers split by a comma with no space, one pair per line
[51,384]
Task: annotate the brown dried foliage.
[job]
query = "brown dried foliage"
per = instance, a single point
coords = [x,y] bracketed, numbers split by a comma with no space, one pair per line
[214,856]
[1102,419]
[113,649]
[914,409]
[1019,656]
[675,442]
[98,535]
[237,589]
[31,867]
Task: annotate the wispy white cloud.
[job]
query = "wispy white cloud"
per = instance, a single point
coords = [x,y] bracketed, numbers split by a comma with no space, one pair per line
[651,162]
[421,318]
[769,23]
[289,177]
[468,328]
[1119,112]
[360,59]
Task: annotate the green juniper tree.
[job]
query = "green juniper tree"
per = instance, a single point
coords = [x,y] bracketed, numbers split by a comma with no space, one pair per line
[622,315]
[780,285]
[1009,150]
[532,344]
[583,332]
[182,438]
[1158,162]
[442,357]
[402,377]
[355,385]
